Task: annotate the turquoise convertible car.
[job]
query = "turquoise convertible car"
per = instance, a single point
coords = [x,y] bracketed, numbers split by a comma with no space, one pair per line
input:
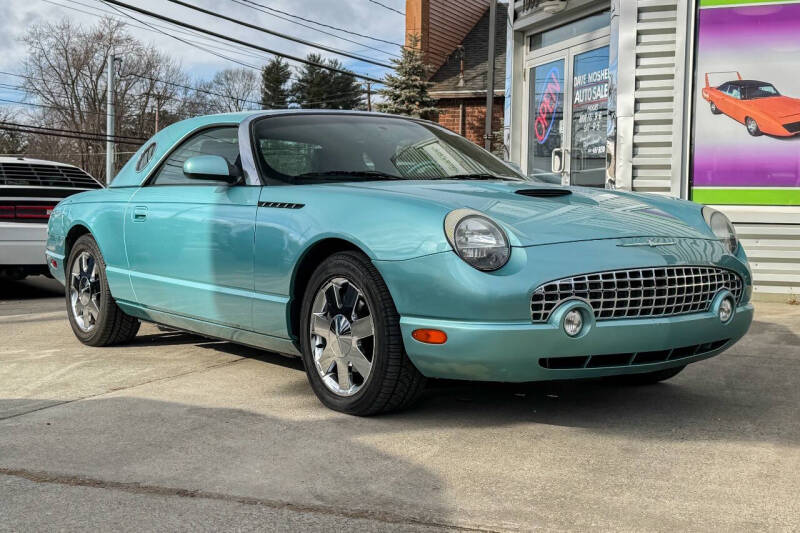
[385,250]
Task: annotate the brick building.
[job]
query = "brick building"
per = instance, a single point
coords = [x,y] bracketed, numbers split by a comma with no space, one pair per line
[454,36]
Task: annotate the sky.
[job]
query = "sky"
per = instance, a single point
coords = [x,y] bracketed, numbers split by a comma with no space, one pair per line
[361,16]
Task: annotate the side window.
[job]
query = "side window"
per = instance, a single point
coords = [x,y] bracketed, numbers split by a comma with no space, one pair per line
[736,92]
[223,141]
[290,157]
[145,158]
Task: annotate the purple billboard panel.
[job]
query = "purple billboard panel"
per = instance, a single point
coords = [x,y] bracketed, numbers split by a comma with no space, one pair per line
[747,105]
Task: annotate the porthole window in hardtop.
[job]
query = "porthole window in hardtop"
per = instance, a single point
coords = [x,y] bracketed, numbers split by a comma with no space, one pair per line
[146,156]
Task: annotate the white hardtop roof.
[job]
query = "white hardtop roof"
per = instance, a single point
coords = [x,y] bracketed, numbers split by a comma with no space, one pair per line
[23,159]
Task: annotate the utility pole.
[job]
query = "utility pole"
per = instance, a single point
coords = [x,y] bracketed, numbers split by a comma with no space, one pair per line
[369,96]
[110,119]
[490,75]
[157,108]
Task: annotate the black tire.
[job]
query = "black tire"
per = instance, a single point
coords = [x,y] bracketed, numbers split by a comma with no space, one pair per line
[752,127]
[648,378]
[714,109]
[111,326]
[393,382]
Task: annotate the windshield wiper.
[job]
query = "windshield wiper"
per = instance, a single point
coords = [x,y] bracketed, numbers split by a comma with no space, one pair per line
[369,174]
[480,176]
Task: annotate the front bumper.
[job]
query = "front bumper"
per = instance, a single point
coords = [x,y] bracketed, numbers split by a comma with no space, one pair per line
[514,352]
[22,244]
[487,316]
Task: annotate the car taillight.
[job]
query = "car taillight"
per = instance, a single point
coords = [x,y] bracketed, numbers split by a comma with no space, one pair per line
[26,212]
[34,211]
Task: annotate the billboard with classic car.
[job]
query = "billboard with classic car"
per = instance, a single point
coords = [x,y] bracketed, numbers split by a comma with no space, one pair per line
[756,104]
[746,112]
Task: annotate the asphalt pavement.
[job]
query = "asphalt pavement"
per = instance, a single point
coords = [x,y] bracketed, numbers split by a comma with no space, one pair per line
[176,432]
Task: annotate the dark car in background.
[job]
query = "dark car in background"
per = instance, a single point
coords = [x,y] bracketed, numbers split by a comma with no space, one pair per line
[29,190]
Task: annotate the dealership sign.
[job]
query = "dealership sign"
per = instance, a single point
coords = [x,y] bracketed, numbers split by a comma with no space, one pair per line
[548,106]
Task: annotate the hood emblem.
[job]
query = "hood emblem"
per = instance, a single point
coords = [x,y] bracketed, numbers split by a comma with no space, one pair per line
[650,243]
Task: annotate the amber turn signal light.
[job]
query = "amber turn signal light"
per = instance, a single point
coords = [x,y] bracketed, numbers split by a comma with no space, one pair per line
[430,336]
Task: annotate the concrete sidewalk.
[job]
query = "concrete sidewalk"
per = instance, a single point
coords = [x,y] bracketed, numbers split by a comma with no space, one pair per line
[175,432]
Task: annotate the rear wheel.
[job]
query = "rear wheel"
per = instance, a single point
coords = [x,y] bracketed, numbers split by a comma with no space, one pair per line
[93,314]
[648,378]
[752,127]
[714,109]
[351,341]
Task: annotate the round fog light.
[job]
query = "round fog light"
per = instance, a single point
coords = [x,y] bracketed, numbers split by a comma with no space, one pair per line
[725,310]
[573,323]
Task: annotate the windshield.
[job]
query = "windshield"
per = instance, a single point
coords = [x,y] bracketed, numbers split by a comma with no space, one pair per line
[760,91]
[317,148]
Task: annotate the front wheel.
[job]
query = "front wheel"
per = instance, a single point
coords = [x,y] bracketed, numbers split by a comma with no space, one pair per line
[93,314]
[648,378]
[351,342]
[752,127]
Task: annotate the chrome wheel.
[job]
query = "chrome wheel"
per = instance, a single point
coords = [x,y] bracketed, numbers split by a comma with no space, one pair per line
[84,291]
[752,127]
[342,336]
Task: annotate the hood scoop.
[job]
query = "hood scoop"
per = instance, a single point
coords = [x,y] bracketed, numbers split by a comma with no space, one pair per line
[544,192]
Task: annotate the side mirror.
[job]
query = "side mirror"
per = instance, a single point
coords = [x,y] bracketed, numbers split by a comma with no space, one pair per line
[210,167]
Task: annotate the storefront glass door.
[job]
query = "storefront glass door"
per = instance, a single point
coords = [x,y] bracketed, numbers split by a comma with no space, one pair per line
[546,121]
[567,114]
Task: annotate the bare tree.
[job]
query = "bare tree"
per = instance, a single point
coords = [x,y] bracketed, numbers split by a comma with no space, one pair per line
[65,71]
[234,89]
[12,142]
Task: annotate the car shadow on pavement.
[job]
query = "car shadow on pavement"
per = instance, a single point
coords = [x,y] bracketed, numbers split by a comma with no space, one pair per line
[748,393]
[35,287]
[166,448]
[743,394]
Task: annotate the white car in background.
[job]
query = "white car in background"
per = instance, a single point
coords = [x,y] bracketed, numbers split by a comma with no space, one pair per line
[29,190]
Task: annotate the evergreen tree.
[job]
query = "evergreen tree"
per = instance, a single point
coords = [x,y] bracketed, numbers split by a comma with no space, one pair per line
[320,88]
[274,79]
[406,91]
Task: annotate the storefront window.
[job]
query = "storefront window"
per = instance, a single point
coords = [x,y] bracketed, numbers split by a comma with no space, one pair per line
[589,118]
[546,118]
[568,31]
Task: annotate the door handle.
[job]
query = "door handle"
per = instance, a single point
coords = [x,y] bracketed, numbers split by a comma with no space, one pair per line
[557,161]
[139,213]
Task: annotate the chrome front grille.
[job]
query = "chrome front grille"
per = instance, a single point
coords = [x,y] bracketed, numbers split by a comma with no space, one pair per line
[635,293]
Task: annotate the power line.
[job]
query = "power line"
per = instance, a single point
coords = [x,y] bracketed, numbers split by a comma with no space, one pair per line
[281,35]
[57,108]
[350,32]
[64,130]
[365,46]
[84,137]
[193,43]
[330,98]
[185,41]
[47,128]
[153,27]
[58,155]
[238,41]
[387,7]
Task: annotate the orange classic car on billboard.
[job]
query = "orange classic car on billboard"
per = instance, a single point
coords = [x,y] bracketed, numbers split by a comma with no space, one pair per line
[756,104]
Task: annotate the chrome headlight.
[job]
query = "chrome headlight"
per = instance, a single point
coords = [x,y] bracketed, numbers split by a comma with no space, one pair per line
[479,241]
[721,227]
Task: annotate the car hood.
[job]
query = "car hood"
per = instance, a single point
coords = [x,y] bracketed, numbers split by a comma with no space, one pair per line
[777,106]
[583,214]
